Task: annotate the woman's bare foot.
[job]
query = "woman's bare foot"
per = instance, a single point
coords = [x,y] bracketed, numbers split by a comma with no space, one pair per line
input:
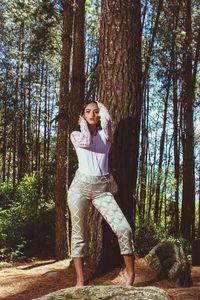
[80,281]
[79,285]
[129,278]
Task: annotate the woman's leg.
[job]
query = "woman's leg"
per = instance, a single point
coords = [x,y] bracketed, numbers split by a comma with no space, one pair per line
[129,272]
[78,263]
[111,212]
[78,206]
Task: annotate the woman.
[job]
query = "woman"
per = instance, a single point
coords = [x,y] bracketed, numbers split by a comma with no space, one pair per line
[91,186]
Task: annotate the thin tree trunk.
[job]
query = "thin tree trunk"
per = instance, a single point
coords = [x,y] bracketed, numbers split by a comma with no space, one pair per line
[143,155]
[162,141]
[4,150]
[77,92]
[175,120]
[63,132]
[21,142]
[29,124]
[154,31]
[199,198]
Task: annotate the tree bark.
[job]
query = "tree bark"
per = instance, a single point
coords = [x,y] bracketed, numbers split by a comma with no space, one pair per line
[77,93]
[119,79]
[62,138]
[188,197]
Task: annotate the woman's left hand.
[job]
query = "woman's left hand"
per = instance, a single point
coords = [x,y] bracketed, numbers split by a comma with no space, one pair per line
[99,104]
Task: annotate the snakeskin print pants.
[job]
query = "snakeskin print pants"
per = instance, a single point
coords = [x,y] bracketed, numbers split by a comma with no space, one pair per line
[84,191]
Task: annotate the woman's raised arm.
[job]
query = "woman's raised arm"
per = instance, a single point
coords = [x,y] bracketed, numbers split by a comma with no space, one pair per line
[106,121]
[81,138]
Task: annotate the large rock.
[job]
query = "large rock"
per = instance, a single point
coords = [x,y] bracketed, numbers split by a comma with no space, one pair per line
[170,261]
[108,292]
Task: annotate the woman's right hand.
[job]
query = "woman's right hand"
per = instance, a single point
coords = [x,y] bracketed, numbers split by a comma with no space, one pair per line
[80,119]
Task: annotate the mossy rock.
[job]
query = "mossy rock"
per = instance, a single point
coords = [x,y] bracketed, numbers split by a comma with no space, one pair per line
[170,261]
[108,292]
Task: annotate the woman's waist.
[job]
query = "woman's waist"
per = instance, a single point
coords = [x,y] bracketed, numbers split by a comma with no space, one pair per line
[83,176]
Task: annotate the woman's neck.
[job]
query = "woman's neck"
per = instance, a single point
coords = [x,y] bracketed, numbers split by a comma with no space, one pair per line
[93,129]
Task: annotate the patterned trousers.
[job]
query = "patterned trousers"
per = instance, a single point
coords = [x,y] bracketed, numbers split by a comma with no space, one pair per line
[84,191]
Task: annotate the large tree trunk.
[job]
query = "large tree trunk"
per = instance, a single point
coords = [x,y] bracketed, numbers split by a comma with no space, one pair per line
[188,199]
[62,139]
[119,89]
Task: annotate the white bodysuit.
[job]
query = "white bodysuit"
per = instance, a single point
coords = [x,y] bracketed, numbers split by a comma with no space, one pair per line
[92,151]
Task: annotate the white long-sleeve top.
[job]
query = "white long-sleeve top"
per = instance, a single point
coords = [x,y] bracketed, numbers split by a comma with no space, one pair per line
[92,151]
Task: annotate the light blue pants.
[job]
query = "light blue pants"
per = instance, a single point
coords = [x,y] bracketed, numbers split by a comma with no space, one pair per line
[84,191]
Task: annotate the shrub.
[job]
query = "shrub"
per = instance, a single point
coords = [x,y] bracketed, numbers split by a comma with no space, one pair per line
[26,220]
[6,194]
[147,236]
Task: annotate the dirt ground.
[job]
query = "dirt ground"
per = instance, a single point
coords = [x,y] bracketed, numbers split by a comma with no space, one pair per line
[39,277]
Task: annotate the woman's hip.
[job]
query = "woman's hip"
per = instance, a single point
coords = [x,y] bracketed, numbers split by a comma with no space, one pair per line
[89,184]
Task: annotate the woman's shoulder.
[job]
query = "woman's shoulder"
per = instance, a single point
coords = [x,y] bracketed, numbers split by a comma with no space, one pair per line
[74,133]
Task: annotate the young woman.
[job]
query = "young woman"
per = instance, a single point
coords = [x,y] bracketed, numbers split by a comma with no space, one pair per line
[91,186]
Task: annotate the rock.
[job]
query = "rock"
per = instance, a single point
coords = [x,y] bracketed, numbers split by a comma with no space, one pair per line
[101,292]
[171,262]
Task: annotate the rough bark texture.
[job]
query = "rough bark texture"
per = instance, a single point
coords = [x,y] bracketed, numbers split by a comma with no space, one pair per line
[78,74]
[62,139]
[77,80]
[119,79]
[188,198]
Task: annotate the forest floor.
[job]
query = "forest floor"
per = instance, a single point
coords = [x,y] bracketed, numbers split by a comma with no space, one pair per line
[27,281]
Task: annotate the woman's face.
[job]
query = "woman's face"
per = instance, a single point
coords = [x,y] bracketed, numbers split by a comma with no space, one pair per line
[91,113]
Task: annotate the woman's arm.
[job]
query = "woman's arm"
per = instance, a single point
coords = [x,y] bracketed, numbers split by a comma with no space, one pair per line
[81,138]
[106,121]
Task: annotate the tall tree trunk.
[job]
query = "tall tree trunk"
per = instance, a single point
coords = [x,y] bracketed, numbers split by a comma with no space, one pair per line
[175,118]
[45,176]
[153,172]
[62,139]
[143,155]
[188,198]
[154,31]
[77,92]
[15,121]
[21,142]
[78,73]
[29,124]
[4,148]
[38,124]
[119,88]
[199,197]
[162,141]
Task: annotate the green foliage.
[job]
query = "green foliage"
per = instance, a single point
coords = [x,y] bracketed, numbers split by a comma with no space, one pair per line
[6,194]
[147,236]
[180,241]
[26,221]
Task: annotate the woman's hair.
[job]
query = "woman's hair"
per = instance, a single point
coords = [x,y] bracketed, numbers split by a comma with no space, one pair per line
[83,110]
[85,105]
